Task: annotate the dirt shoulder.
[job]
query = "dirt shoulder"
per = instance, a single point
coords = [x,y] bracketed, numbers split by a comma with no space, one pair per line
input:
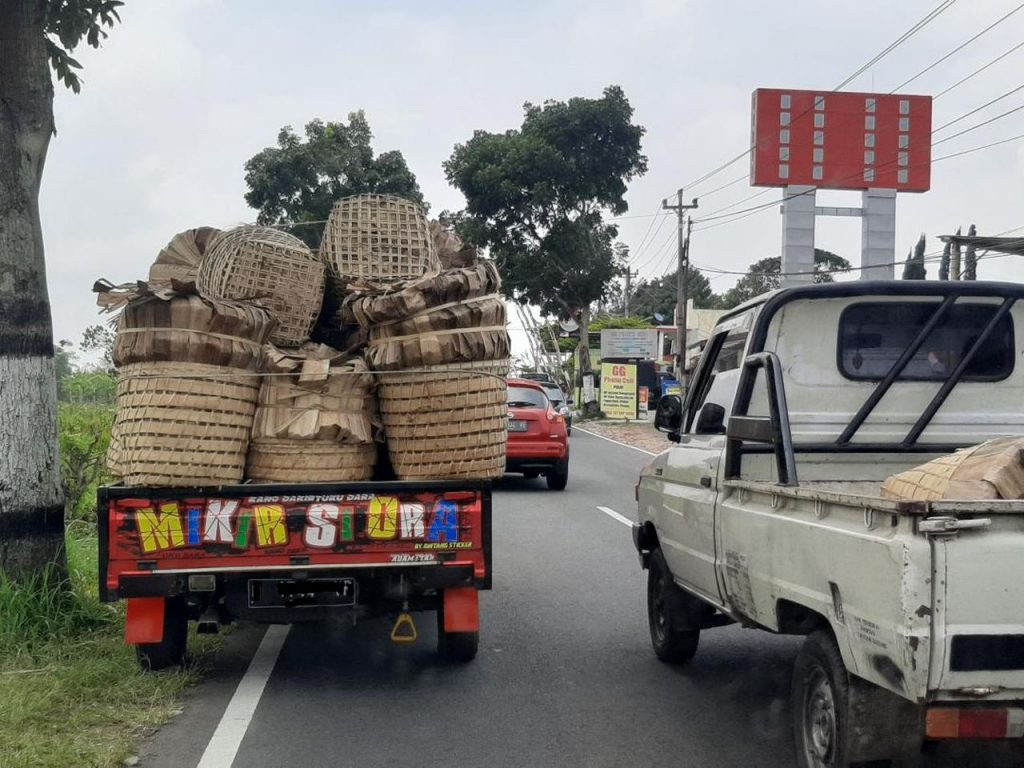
[637,434]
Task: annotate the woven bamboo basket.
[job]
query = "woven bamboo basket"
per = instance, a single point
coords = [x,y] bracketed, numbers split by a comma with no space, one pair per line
[179,260]
[370,303]
[274,268]
[192,329]
[463,331]
[376,237]
[992,470]
[310,461]
[446,422]
[183,423]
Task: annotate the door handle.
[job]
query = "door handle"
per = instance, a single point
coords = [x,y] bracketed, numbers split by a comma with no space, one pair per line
[706,481]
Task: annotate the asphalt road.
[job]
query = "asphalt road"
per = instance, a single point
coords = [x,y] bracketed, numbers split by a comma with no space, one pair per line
[565,675]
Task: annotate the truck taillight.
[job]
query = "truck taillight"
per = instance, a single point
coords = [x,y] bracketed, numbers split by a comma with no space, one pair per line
[982,723]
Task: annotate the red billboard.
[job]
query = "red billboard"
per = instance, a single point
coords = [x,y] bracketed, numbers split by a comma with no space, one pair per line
[841,140]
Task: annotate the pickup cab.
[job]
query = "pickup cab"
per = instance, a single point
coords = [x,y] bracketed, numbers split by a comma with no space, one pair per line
[285,553]
[767,511]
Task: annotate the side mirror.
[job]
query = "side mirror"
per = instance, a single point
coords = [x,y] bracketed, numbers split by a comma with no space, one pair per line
[669,416]
[563,411]
[711,420]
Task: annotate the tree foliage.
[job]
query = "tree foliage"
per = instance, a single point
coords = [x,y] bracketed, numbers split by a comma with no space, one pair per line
[536,197]
[763,276]
[66,24]
[971,257]
[914,268]
[658,296]
[298,181]
[84,439]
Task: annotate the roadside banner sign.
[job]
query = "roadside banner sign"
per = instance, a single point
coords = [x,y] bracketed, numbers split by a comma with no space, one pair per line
[641,409]
[640,343]
[671,387]
[618,390]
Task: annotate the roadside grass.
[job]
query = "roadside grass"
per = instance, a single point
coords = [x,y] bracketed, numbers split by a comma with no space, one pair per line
[71,692]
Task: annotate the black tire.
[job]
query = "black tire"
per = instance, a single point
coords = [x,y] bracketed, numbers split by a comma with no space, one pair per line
[673,640]
[169,652]
[558,480]
[458,647]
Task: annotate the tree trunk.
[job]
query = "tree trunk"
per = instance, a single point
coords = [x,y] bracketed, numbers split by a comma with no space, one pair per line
[31,504]
[589,406]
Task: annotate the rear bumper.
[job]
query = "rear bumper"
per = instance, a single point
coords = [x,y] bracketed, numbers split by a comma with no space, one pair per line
[975,721]
[536,450]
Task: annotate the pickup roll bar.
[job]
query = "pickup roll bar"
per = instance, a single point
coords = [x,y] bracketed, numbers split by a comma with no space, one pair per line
[773,430]
[773,434]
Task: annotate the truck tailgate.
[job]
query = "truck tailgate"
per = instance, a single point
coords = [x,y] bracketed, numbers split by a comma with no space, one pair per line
[978,621]
[144,531]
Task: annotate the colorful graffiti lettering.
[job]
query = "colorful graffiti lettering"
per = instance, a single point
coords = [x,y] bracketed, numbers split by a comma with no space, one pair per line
[266,523]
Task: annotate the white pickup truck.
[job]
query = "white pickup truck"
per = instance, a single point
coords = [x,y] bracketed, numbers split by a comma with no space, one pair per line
[769,512]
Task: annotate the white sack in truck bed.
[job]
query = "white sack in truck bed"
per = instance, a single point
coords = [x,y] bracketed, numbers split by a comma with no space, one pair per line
[992,470]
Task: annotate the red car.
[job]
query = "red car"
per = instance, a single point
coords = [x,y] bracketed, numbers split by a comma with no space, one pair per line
[538,442]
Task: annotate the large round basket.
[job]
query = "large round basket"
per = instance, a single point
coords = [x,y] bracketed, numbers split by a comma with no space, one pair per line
[192,329]
[376,237]
[309,461]
[183,423]
[275,268]
[460,332]
[446,422]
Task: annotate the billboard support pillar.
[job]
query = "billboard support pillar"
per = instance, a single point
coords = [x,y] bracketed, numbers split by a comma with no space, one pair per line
[798,211]
[878,235]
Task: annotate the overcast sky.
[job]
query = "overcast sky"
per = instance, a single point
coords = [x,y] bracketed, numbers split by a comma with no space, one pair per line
[184,91]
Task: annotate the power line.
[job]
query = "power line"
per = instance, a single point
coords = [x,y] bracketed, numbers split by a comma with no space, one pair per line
[640,249]
[978,71]
[959,48]
[946,5]
[650,226]
[978,109]
[979,125]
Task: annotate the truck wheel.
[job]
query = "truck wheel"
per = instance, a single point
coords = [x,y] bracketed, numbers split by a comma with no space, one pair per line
[557,480]
[673,641]
[170,651]
[455,646]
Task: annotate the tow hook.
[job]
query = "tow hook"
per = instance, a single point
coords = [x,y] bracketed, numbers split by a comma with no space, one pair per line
[404,630]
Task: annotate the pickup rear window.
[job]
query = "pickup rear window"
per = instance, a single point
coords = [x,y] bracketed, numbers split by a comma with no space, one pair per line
[873,336]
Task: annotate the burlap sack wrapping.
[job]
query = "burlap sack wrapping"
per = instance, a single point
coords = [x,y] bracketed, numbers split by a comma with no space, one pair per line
[316,420]
[172,327]
[271,268]
[370,303]
[992,470]
[446,423]
[464,331]
[182,424]
[179,260]
[452,253]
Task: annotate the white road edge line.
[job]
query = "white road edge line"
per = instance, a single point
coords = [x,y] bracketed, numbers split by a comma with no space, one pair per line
[617,442]
[224,744]
[616,516]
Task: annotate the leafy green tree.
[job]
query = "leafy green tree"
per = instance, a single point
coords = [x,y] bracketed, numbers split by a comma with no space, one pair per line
[658,295]
[914,268]
[947,252]
[101,338]
[35,36]
[971,257]
[84,439]
[299,181]
[763,276]
[536,196]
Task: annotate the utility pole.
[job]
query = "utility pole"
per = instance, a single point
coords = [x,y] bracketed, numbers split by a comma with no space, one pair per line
[684,264]
[630,274]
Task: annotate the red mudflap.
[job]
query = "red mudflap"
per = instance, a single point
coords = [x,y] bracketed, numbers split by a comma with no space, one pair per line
[461,610]
[145,620]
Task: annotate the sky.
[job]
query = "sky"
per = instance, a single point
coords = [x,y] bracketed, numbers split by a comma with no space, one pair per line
[185,91]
